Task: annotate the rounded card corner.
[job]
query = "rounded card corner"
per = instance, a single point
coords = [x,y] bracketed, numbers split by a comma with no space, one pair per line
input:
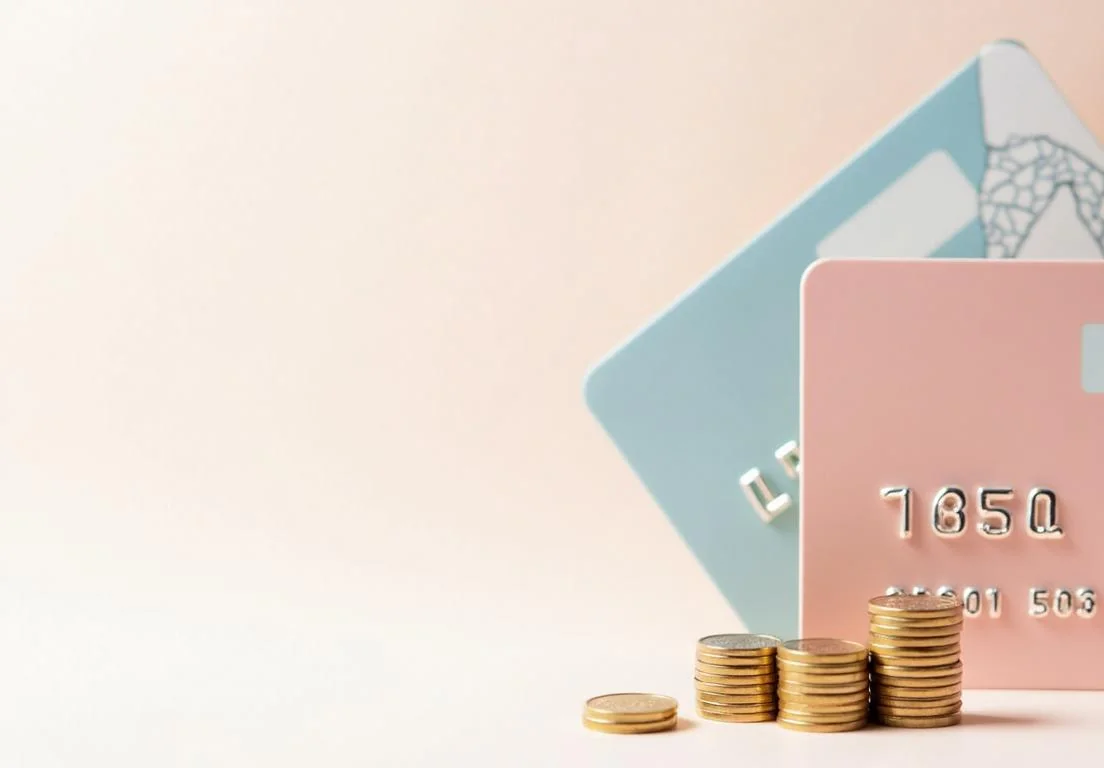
[815,268]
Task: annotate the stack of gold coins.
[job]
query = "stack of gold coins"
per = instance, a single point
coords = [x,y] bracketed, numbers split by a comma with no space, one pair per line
[630,713]
[822,685]
[916,673]
[735,678]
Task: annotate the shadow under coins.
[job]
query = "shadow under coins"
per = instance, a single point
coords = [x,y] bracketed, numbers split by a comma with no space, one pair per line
[982,718]
[968,719]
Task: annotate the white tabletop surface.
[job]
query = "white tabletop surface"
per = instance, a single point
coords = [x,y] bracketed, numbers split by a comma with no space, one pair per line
[522,706]
[250,683]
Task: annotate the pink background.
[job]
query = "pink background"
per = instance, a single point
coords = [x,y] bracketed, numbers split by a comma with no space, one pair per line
[295,303]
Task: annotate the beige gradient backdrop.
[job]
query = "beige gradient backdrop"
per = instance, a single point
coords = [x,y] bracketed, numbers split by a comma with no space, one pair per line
[295,303]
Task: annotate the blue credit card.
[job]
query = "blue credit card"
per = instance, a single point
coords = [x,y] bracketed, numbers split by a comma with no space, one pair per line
[703,402]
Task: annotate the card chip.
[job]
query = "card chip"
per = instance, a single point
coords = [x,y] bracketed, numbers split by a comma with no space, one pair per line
[1092,358]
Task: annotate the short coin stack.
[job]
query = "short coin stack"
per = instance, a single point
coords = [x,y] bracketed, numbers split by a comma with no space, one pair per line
[735,678]
[916,674]
[822,685]
[630,713]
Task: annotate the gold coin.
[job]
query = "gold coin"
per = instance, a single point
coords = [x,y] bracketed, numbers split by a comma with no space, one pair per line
[749,715]
[915,606]
[705,689]
[795,707]
[933,641]
[795,724]
[818,679]
[941,721]
[897,670]
[760,717]
[746,685]
[907,630]
[766,677]
[824,700]
[739,645]
[907,694]
[630,707]
[878,650]
[738,709]
[906,657]
[904,692]
[906,710]
[920,684]
[814,667]
[606,726]
[822,650]
[883,662]
[737,698]
[881,659]
[913,623]
[759,669]
[792,688]
[897,680]
[827,718]
[732,661]
[936,702]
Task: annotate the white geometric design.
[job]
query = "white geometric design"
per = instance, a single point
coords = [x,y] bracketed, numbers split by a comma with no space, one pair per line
[1021,180]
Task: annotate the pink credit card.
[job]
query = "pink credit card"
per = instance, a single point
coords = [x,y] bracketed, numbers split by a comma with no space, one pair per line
[952,433]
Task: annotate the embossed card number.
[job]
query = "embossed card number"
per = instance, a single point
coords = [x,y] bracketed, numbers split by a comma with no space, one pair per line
[1041,602]
[949,512]
[995,520]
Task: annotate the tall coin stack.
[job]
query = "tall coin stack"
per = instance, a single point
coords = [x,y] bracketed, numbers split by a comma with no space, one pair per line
[916,675]
[735,678]
[822,685]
